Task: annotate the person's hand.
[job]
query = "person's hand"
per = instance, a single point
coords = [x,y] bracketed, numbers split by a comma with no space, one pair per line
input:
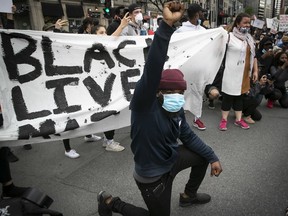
[13,9]
[61,23]
[172,12]
[255,76]
[268,53]
[263,80]
[216,169]
[285,65]
[126,19]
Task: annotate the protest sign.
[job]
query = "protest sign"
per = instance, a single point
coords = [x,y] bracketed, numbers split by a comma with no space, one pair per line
[57,86]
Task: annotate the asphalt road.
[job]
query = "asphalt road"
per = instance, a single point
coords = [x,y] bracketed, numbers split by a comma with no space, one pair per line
[254,181]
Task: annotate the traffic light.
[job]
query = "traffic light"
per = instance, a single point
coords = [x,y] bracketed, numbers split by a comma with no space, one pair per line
[107,9]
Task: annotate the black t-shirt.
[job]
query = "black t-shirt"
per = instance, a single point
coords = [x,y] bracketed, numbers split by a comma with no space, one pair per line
[113,26]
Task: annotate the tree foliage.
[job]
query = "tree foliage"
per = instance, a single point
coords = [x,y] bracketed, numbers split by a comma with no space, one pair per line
[158,3]
[249,10]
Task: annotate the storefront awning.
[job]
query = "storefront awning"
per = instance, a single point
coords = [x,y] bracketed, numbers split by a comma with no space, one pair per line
[74,11]
[52,10]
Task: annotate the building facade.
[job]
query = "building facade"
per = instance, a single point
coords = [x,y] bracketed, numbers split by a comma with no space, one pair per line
[32,14]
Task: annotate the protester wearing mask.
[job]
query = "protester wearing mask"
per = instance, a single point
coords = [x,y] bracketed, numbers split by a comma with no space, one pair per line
[194,21]
[119,14]
[240,66]
[278,75]
[265,54]
[135,26]
[157,121]
[193,24]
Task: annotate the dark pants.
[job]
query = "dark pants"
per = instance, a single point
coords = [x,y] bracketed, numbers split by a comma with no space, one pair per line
[280,95]
[67,146]
[157,195]
[230,101]
[249,108]
[109,134]
[5,174]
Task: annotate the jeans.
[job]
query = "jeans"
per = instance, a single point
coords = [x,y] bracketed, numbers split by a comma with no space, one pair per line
[157,195]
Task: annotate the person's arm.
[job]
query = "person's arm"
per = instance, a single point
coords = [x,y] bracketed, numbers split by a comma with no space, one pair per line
[124,22]
[195,144]
[255,70]
[147,86]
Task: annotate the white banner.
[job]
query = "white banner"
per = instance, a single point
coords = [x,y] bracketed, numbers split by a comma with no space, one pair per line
[55,86]
[6,6]
[283,23]
[258,23]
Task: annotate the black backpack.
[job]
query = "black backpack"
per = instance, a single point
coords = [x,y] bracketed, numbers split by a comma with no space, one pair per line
[32,203]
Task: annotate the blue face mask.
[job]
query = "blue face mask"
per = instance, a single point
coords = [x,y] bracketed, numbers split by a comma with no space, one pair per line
[199,21]
[173,102]
[244,30]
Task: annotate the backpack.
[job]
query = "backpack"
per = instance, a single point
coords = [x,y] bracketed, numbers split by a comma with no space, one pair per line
[32,203]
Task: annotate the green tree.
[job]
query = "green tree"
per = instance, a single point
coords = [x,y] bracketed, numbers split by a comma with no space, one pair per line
[249,10]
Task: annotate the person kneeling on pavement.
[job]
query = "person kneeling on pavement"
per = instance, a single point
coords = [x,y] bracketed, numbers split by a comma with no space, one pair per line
[157,121]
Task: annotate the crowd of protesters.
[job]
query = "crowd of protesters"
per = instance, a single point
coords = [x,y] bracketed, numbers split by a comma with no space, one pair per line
[256,69]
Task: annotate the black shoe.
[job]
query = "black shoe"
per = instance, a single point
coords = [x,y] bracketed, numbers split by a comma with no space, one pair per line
[103,208]
[199,198]
[27,147]
[13,191]
[211,104]
[12,157]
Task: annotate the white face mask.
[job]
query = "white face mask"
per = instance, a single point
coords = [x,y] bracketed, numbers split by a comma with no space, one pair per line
[139,18]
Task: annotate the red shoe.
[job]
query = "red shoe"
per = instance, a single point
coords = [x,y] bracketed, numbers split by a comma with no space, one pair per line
[199,124]
[223,125]
[270,103]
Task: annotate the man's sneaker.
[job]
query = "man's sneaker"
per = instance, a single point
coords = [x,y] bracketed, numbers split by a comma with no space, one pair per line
[270,103]
[199,124]
[72,154]
[114,146]
[92,138]
[199,198]
[242,124]
[103,208]
[223,125]
[211,104]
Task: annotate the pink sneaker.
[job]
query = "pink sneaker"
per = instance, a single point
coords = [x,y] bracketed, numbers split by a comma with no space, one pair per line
[223,125]
[199,124]
[242,124]
[270,103]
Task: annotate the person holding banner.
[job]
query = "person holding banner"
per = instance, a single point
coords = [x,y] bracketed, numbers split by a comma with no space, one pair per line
[157,121]
[241,63]
[193,24]
[108,142]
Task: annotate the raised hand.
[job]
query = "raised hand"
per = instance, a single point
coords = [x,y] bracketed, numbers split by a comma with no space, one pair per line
[61,23]
[172,12]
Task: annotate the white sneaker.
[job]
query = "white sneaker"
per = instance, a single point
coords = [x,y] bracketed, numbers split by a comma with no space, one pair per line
[93,138]
[72,154]
[114,146]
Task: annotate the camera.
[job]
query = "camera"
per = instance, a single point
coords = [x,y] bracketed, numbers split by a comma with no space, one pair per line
[270,77]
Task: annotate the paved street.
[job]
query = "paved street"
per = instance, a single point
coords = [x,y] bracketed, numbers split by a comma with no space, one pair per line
[254,181]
